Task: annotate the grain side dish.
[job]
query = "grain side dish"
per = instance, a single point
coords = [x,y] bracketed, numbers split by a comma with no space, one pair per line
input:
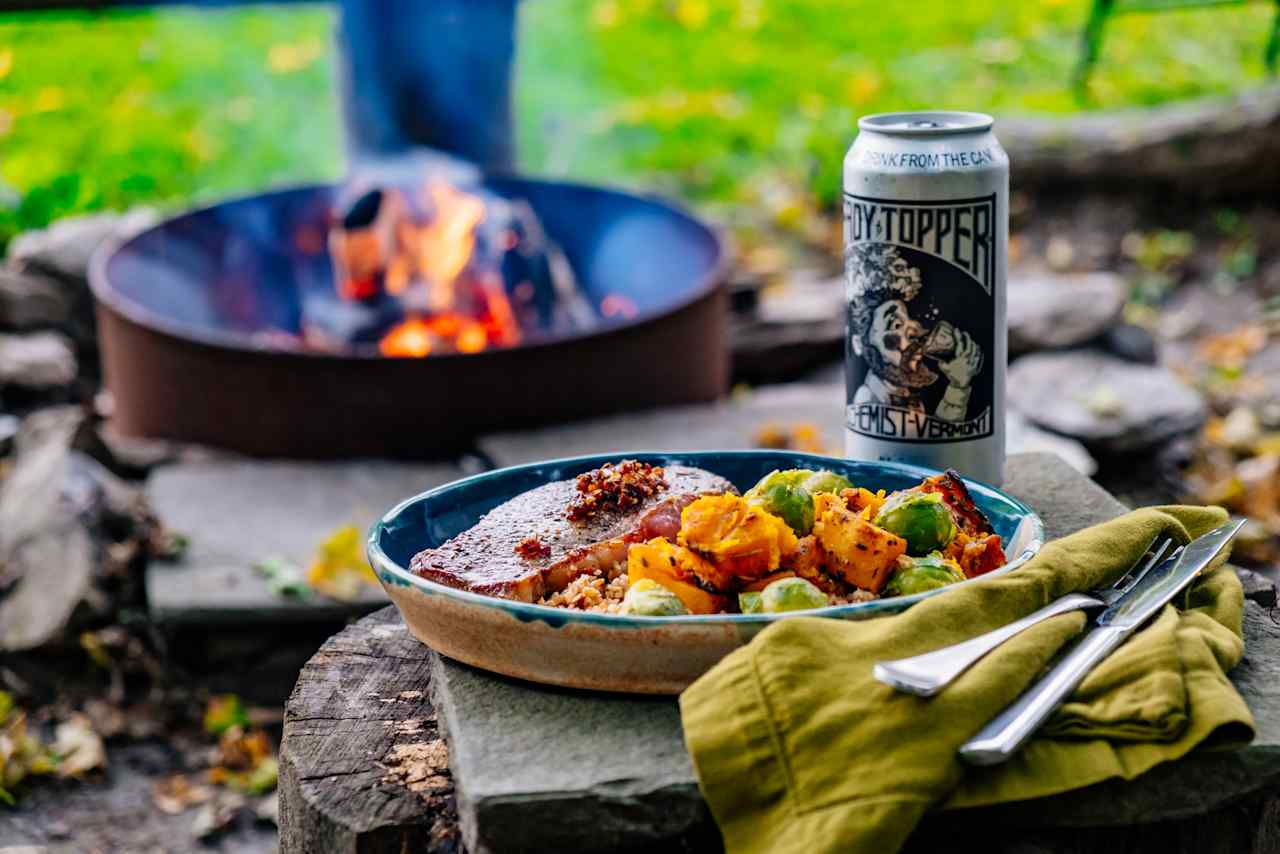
[645,540]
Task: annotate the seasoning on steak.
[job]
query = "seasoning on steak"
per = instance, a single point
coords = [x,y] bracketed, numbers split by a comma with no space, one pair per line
[619,487]
[484,559]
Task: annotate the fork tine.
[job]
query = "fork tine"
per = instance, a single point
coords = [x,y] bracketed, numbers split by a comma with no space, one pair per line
[1154,561]
[1157,551]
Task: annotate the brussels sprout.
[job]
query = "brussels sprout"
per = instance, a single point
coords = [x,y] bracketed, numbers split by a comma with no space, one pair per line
[920,518]
[814,481]
[826,481]
[918,574]
[648,598]
[793,477]
[792,594]
[791,503]
[749,603]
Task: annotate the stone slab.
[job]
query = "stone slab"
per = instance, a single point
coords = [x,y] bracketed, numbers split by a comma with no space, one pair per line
[615,767]
[239,512]
[730,424]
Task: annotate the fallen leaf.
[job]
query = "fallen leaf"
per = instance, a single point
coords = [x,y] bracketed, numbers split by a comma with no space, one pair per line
[245,761]
[216,815]
[177,794]
[803,436]
[223,713]
[78,747]
[341,569]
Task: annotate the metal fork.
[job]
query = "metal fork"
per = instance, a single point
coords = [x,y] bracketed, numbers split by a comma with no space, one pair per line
[927,674]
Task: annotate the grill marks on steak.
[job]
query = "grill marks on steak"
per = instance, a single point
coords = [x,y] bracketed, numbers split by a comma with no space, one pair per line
[483,559]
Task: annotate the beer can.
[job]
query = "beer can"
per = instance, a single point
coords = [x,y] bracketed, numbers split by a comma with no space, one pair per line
[926,232]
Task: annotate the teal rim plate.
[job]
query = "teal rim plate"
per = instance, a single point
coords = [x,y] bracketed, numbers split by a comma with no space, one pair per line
[429,519]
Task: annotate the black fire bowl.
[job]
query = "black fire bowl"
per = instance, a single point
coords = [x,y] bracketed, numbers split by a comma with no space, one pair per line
[198,316]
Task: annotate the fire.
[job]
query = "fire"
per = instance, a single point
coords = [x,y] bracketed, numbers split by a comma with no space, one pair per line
[444,246]
[411,338]
[420,337]
[453,301]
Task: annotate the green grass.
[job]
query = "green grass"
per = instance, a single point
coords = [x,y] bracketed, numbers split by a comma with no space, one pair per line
[716,92]
[107,111]
[706,99]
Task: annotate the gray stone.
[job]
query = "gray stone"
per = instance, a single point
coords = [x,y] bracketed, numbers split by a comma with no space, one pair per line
[32,301]
[732,424]
[1050,310]
[1257,587]
[1108,404]
[622,771]
[1023,437]
[47,550]
[65,248]
[39,360]
[1132,343]
[725,425]
[238,513]
[1207,146]
[9,427]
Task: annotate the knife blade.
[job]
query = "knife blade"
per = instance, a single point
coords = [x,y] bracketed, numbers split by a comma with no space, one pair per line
[1010,729]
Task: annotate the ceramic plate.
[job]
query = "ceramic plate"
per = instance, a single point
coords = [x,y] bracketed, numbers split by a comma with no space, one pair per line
[650,655]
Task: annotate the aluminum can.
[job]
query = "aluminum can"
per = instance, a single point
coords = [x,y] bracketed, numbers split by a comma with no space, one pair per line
[926,233]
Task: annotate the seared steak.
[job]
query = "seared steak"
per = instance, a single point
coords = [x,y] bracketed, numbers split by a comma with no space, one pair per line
[527,547]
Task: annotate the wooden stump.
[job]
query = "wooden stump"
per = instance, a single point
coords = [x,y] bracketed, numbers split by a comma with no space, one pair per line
[362,764]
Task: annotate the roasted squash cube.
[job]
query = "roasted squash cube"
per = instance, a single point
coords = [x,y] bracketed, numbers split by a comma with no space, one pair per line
[742,541]
[674,568]
[859,552]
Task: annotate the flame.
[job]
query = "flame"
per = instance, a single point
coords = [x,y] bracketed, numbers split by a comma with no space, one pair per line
[451,303]
[445,244]
[410,338]
[418,336]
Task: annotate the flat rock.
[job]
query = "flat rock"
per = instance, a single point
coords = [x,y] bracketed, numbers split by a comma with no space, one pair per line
[33,300]
[237,513]
[1023,437]
[1053,310]
[1257,587]
[65,247]
[39,360]
[729,424]
[732,424]
[1107,403]
[47,549]
[1207,146]
[1132,343]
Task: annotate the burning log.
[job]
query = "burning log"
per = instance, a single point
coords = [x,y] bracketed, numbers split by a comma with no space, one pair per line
[435,267]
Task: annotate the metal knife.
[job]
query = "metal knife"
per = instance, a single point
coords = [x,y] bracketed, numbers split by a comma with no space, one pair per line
[1002,737]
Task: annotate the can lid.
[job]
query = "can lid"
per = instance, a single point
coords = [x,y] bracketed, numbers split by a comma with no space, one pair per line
[930,123]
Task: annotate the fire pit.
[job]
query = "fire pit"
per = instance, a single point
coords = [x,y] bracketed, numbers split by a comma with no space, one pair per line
[202,319]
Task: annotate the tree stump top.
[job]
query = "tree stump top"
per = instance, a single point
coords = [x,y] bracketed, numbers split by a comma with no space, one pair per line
[363,766]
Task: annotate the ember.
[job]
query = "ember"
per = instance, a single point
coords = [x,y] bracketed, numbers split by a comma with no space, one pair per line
[453,298]
[434,268]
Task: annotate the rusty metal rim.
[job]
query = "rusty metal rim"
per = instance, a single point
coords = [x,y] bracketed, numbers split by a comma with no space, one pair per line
[102,291]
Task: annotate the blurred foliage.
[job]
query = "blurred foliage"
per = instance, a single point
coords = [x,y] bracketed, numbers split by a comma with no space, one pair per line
[110,110]
[716,92]
[718,100]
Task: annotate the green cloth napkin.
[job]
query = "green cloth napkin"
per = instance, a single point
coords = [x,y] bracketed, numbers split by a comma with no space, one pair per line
[799,749]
